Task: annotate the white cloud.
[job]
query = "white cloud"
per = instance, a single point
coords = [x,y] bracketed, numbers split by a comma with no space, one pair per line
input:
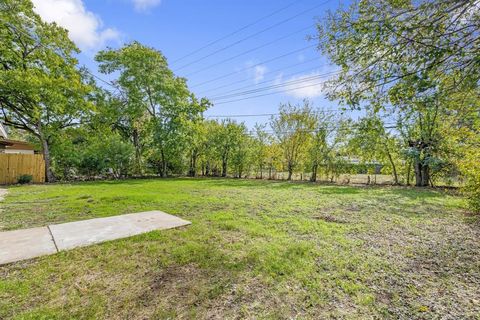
[84,27]
[144,5]
[259,73]
[255,71]
[304,86]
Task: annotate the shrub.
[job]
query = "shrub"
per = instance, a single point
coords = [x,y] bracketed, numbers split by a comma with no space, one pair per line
[473,194]
[25,178]
[469,164]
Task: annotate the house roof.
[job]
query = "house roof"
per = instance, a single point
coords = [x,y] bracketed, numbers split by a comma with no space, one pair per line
[16,145]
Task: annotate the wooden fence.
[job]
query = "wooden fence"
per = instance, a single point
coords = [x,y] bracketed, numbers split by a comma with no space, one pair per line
[12,166]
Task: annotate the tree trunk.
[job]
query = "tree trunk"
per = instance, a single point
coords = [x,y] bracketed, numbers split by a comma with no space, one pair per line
[409,170]
[138,152]
[394,168]
[49,176]
[290,171]
[422,174]
[224,167]
[193,164]
[425,176]
[313,178]
[163,165]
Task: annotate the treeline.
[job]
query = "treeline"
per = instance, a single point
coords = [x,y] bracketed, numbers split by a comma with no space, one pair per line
[300,140]
[418,96]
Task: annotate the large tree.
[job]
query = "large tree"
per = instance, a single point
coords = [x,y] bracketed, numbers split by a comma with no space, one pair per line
[228,140]
[261,140]
[41,89]
[322,142]
[372,143]
[292,129]
[395,54]
[158,103]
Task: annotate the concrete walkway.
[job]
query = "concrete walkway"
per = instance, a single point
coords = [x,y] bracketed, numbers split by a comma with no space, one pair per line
[24,244]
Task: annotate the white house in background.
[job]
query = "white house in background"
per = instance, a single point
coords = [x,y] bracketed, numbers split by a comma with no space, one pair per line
[13,146]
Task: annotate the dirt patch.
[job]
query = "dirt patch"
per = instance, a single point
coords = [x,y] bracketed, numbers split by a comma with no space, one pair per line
[188,291]
[173,292]
[329,218]
[3,193]
[435,269]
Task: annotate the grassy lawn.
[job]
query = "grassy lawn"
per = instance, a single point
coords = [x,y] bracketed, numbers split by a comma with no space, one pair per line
[256,249]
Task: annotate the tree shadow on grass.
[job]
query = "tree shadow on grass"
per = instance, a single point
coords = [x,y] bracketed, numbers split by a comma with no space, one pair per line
[411,193]
[415,193]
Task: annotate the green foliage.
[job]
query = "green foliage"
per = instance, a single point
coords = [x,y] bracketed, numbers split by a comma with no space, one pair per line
[417,59]
[469,165]
[292,130]
[83,154]
[105,155]
[25,178]
[158,107]
[41,89]
[397,62]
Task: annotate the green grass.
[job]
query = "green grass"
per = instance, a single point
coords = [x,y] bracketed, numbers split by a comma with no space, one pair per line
[255,249]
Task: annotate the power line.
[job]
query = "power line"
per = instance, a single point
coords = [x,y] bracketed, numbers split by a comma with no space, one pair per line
[269,72]
[242,115]
[268,81]
[275,86]
[253,35]
[248,51]
[237,31]
[266,94]
[321,111]
[256,65]
[271,114]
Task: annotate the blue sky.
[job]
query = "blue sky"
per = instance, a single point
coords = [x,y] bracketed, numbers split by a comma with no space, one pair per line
[178,28]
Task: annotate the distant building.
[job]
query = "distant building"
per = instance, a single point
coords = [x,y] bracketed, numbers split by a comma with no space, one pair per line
[378,166]
[13,146]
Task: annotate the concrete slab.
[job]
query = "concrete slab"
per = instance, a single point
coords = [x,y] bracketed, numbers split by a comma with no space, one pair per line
[83,233]
[24,244]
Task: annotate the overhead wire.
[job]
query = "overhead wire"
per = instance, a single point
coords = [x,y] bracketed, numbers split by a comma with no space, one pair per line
[252,35]
[249,51]
[255,65]
[267,94]
[275,86]
[266,73]
[237,31]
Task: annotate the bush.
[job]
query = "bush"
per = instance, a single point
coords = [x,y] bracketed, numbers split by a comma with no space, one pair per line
[105,155]
[25,178]
[473,195]
[469,166]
